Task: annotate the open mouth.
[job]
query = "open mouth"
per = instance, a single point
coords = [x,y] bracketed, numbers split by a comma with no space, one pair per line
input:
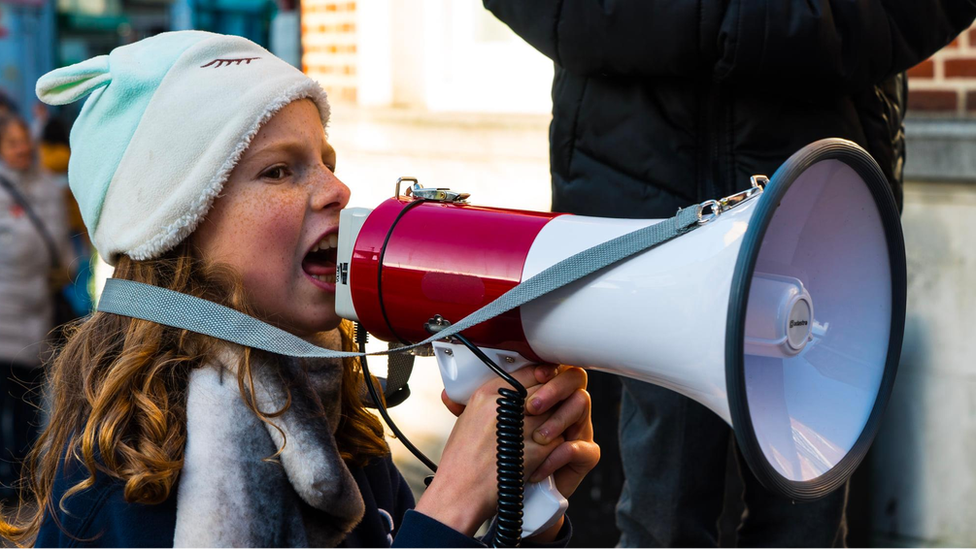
[320,261]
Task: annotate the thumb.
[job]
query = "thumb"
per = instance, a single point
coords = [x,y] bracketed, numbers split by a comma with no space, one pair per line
[452,406]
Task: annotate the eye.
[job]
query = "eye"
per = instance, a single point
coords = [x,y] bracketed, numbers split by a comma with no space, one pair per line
[275,173]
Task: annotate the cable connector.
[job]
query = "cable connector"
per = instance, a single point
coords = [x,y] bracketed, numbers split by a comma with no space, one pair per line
[437,324]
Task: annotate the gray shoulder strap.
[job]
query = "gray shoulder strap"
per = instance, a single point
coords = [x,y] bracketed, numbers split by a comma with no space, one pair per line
[137,300]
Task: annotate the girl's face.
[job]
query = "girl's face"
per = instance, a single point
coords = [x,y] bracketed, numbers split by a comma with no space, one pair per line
[277,220]
[15,147]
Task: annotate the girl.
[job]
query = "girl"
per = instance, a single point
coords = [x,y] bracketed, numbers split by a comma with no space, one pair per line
[201,165]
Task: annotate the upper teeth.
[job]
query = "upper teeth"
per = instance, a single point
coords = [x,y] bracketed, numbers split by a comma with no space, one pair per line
[329,241]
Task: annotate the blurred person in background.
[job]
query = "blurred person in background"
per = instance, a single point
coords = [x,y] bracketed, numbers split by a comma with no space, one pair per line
[659,105]
[34,254]
[52,146]
[41,117]
[53,152]
[7,105]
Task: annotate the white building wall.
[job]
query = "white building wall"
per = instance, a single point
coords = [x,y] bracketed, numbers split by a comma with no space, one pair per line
[474,63]
[376,46]
[924,459]
[438,56]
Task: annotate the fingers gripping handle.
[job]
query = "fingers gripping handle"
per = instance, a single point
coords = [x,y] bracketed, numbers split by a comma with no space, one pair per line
[463,373]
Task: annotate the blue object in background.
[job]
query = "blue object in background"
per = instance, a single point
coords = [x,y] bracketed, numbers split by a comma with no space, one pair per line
[248,18]
[28,36]
[78,293]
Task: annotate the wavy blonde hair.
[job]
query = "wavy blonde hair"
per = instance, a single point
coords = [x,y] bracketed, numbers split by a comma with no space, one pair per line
[118,391]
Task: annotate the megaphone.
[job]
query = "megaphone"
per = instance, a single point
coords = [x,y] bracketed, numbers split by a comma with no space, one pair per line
[783,312]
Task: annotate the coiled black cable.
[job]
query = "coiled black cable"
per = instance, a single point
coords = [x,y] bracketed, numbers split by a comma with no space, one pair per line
[510,453]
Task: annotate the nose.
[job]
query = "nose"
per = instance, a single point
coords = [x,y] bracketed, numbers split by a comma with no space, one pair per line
[330,192]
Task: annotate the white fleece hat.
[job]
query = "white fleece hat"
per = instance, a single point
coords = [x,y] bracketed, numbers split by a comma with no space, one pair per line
[167,120]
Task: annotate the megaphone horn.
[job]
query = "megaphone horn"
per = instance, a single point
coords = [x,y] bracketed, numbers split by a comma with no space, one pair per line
[783,312]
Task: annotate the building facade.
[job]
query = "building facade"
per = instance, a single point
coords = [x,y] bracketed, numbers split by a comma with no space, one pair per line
[924,474]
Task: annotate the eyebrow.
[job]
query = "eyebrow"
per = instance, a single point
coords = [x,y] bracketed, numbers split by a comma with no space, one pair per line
[290,147]
[293,147]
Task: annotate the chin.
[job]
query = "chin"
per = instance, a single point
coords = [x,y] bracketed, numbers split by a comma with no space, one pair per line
[325,325]
[306,328]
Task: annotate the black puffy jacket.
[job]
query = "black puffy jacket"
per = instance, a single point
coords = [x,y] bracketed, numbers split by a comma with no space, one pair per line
[659,104]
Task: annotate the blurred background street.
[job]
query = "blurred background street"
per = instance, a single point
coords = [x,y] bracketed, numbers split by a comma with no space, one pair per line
[442,91]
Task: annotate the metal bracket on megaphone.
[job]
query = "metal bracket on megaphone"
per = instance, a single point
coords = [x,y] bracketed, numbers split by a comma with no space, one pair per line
[432,194]
[716,208]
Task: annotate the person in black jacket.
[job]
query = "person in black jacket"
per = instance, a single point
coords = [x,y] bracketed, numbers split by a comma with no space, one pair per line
[658,105]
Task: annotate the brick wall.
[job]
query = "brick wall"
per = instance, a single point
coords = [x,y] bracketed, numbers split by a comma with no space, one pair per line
[945,84]
[329,46]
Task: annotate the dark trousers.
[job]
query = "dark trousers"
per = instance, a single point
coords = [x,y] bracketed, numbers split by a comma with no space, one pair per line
[593,504]
[674,454]
[20,396]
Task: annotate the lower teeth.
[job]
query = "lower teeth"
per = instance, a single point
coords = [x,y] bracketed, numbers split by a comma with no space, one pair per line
[330,279]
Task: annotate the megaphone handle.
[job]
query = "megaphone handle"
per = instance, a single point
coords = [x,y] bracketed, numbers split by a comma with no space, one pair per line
[543,506]
[462,373]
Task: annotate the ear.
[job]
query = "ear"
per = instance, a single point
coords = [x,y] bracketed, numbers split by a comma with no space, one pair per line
[69,84]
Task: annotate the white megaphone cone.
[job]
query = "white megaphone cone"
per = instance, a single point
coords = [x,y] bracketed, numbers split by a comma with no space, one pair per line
[783,312]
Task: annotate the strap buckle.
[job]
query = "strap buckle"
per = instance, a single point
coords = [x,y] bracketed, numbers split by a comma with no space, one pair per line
[709,210]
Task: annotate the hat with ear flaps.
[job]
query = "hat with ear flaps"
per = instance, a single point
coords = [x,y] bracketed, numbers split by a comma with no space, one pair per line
[166,120]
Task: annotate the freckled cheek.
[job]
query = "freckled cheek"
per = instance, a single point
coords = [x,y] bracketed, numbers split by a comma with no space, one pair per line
[272,237]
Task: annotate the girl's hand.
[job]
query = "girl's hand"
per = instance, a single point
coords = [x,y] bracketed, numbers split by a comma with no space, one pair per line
[567,406]
[463,493]
[560,395]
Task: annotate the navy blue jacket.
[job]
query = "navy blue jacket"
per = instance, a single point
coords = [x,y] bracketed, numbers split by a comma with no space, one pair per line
[100,516]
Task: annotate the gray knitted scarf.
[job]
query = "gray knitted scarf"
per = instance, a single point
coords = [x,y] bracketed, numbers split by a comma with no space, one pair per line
[230,492]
